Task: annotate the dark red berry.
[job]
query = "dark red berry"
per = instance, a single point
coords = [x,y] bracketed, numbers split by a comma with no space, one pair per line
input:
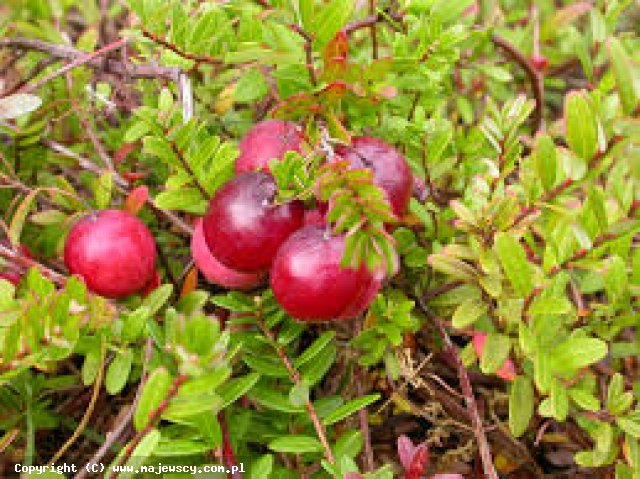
[113,251]
[311,285]
[539,62]
[213,270]
[391,171]
[265,141]
[244,227]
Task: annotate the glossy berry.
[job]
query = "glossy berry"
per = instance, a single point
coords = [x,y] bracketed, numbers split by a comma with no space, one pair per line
[113,251]
[265,141]
[390,169]
[213,270]
[244,228]
[311,285]
[11,276]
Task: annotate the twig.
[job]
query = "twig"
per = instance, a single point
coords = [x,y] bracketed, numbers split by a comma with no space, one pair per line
[229,457]
[175,49]
[295,377]
[107,65]
[85,418]
[154,416]
[443,288]
[546,197]
[114,435]
[86,58]
[120,182]
[535,77]
[363,415]
[187,167]
[467,391]
[369,21]
[308,49]
[23,261]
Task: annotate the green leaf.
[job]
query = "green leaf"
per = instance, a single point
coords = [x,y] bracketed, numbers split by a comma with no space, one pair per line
[550,305]
[314,349]
[584,399]
[118,372]
[20,215]
[299,394]
[581,125]
[142,452]
[521,404]
[514,263]
[251,86]
[451,266]
[237,387]
[189,200]
[468,312]
[546,161]
[262,467]
[330,20]
[295,444]
[157,299]
[103,189]
[630,426]
[495,352]
[349,408]
[626,74]
[154,392]
[577,352]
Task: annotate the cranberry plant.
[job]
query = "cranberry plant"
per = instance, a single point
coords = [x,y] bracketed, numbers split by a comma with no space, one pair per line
[285,236]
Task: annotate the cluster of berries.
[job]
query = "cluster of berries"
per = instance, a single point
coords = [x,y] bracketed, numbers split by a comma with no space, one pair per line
[246,235]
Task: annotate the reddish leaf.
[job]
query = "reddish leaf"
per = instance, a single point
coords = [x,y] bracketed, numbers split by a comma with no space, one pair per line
[338,48]
[507,371]
[190,282]
[121,153]
[136,200]
[131,176]
[406,449]
[418,463]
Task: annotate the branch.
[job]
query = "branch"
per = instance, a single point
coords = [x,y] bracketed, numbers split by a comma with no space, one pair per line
[27,263]
[107,65]
[370,21]
[308,49]
[295,377]
[175,49]
[120,182]
[535,77]
[467,391]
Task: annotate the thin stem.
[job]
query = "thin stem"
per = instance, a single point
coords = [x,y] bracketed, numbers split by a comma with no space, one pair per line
[111,66]
[85,418]
[295,378]
[308,49]
[175,49]
[535,77]
[467,391]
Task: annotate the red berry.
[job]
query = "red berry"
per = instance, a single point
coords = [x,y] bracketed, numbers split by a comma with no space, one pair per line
[244,228]
[113,251]
[316,216]
[390,169]
[539,62]
[311,285]
[214,270]
[265,141]
[11,276]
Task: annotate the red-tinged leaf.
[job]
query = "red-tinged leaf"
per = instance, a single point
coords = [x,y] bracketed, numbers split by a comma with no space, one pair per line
[418,463]
[136,200]
[152,284]
[406,449]
[507,371]
[338,48]
[20,215]
[190,282]
[132,176]
[563,17]
[353,475]
[388,92]
[296,106]
[334,92]
[121,153]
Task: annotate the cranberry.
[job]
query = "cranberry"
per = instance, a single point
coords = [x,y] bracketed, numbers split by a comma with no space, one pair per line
[244,228]
[316,216]
[391,171]
[214,270]
[265,141]
[113,251]
[311,285]
[11,276]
